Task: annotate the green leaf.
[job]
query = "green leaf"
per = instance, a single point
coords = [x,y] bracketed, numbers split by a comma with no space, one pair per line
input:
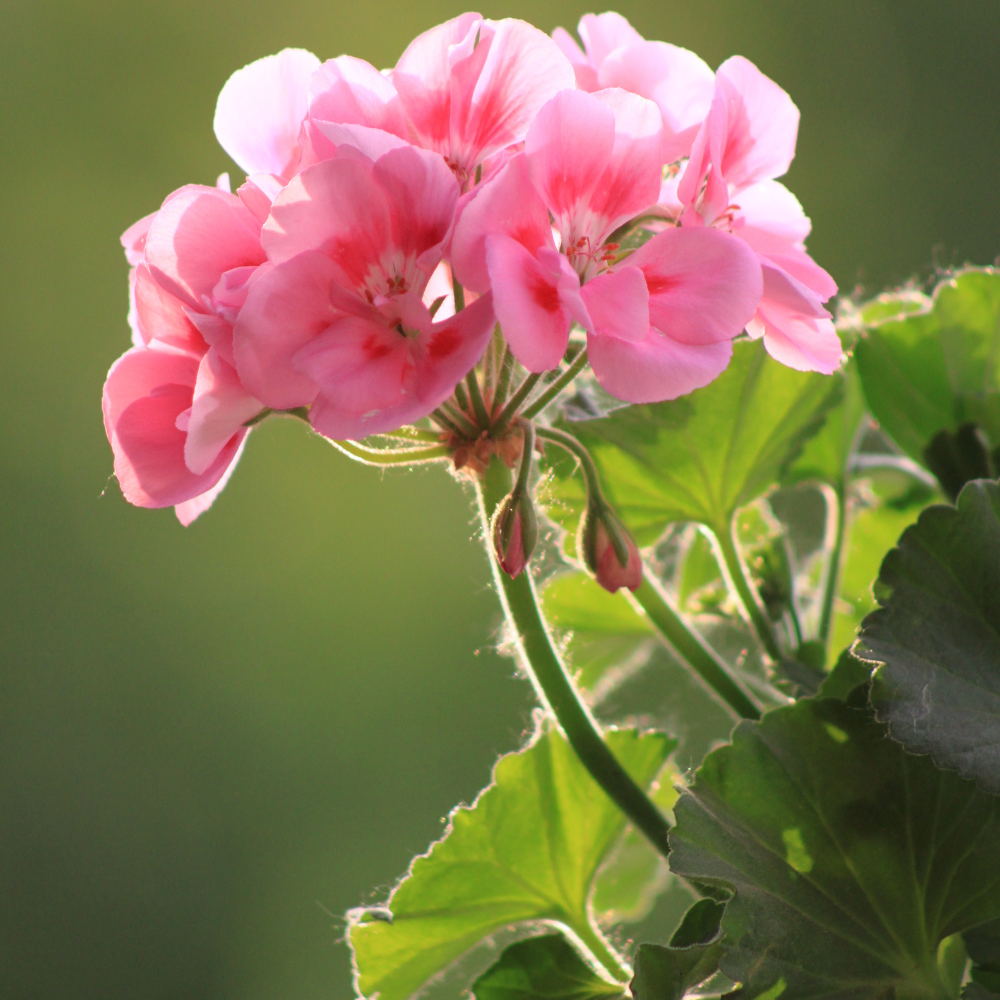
[937,369]
[603,629]
[849,673]
[983,946]
[526,850]
[850,860]
[667,973]
[825,456]
[874,530]
[700,457]
[937,636]
[635,873]
[546,967]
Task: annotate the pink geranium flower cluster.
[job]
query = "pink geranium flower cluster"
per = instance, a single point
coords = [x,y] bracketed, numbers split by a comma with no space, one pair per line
[622,189]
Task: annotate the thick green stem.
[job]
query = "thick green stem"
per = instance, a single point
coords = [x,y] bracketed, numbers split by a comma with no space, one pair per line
[598,947]
[737,577]
[552,683]
[465,426]
[560,383]
[691,648]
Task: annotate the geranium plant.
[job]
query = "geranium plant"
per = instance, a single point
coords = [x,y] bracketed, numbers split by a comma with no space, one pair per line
[570,273]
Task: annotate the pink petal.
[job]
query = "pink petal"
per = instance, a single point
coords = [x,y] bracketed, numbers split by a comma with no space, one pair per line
[568,148]
[256,197]
[528,303]
[350,91]
[770,217]
[797,329]
[678,81]
[285,309]
[359,366]
[804,343]
[140,371]
[704,285]
[422,78]
[372,142]
[439,286]
[421,192]
[199,233]
[508,205]
[161,316]
[631,182]
[522,70]
[337,207]
[191,509]
[754,125]
[656,368]
[586,75]
[134,239]
[261,108]
[796,263]
[602,34]
[618,303]
[219,409]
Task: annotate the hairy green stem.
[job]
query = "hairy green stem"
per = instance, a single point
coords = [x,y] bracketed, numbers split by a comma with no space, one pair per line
[459,293]
[832,581]
[465,426]
[381,458]
[736,574]
[409,433]
[552,682]
[510,410]
[478,404]
[560,383]
[580,453]
[503,380]
[691,648]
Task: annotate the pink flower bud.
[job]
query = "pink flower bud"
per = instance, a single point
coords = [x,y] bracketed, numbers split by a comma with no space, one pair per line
[614,561]
[515,531]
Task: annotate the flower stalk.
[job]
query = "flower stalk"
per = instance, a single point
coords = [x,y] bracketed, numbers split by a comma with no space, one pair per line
[551,680]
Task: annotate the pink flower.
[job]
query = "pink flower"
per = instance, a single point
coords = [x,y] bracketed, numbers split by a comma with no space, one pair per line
[174,407]
[472,87]
[747,140]
[261,110]
[616,55]
[660,322]
[339,322]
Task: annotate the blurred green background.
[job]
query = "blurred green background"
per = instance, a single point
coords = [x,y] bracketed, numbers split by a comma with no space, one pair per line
[212,739]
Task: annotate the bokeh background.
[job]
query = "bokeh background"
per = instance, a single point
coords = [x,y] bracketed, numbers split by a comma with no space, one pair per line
[215,740]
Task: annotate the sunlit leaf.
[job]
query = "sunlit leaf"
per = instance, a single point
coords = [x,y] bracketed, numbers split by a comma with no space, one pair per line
[700,457]
[938,369]
[850,860]
[635,873]
[603,629]
[668,972]
[525,851]
[825,456]
[546,967]
[937,635]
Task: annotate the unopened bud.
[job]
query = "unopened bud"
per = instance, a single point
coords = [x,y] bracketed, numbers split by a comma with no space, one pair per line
[609,550]
[515,531]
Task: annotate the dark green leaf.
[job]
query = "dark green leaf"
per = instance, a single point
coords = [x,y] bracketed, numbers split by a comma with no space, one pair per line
[667,973]
[850,860]
[543,968]
[938,369]
[938,636]
[983,946]
[526,850]
[977,991]
[700,457]
[849,673]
